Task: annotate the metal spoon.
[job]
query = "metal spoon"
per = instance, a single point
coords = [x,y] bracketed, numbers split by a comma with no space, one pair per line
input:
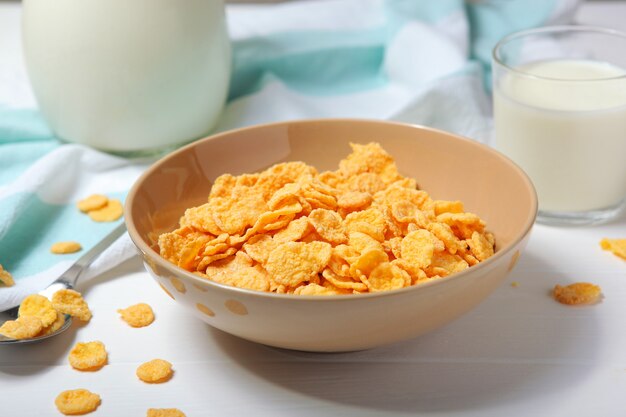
[67,280]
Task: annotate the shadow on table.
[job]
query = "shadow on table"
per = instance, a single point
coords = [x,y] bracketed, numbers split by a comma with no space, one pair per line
[39,357]
[518,346]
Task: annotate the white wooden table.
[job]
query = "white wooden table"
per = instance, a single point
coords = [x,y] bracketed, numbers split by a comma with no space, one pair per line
[517,354]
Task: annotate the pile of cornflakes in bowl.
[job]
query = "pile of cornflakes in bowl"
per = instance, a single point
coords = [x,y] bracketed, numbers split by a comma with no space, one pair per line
[267,252]
[291,229]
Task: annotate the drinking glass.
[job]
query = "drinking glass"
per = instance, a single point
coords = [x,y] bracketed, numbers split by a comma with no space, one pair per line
[559,96]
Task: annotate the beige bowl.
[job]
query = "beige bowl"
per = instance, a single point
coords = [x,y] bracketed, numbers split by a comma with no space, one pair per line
[445,165]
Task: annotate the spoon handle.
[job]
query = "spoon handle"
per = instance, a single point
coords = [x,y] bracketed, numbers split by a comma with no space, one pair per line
[68,278]
[99,247]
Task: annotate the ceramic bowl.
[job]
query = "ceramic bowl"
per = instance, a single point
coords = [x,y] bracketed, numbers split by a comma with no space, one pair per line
[447,166]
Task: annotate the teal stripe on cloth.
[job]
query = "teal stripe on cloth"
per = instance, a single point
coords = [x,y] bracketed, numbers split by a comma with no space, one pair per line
[327,63]
[491,20]
[15,158]
[36,225]
[424,11]
[23,125]
[24,138]
[312,62]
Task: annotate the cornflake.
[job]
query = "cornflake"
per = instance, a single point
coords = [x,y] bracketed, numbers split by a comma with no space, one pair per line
[71,302]
[24,327]
[361,228]
[292,263]
[38,306]
[77,402]
[112,211]
[89,356]
[61,248]
[58,323]
[6,278]
[155,371]
[577,293]
[138,315]
[93,202]
[165,412]
[617,246]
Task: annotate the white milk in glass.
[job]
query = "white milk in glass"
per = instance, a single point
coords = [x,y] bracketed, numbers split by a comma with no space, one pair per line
[566,127]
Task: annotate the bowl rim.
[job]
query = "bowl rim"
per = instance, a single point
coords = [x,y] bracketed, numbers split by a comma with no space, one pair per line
[164,263]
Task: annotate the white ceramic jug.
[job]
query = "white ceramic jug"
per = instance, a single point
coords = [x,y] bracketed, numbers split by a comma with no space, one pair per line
[128,76]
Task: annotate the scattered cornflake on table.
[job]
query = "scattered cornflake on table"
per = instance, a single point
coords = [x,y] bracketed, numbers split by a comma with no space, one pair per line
[89,356]
[617,246]
[62,248]
[109,213]
[77,402]
[38,306]
[5,277]
[71,302]
[165,412]
[514,284]
[138,315]
[155,371]
[93,202]
[577,293]
[24,327]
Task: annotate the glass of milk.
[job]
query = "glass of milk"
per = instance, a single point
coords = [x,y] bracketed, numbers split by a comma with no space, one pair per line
[129,77]
[560,112]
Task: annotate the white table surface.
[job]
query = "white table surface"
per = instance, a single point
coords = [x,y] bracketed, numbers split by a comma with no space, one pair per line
[517,354]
